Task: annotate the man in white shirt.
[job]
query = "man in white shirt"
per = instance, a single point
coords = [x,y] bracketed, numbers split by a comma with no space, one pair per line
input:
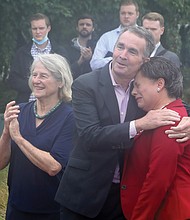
[154,22]
[128,14]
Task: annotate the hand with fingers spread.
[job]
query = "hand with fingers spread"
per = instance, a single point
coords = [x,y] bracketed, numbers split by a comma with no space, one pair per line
[181,132]
[156,118]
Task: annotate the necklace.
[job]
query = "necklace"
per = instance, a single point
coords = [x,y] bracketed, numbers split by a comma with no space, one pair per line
[48,113]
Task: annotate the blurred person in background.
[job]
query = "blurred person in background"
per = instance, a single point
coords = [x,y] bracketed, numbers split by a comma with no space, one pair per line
[128,15]
[154,22]
[81,47]
[22,60]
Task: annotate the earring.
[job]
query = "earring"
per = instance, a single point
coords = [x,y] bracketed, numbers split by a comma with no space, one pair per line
[158,90]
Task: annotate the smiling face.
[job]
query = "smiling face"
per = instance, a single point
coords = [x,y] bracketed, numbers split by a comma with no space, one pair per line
[128,55]
[146,92]
[44,85]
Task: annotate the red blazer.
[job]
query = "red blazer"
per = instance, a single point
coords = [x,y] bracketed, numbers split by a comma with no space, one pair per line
[156,176]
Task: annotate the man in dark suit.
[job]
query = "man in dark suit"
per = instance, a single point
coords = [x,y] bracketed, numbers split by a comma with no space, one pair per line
[105,114]
[154,22]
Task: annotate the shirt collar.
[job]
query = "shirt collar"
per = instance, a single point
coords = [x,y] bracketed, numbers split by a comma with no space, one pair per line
[155,49]
[113,80]
[36,50]
[119,29]
[46,48]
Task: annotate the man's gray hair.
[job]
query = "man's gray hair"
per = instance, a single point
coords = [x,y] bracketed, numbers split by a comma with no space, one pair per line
[145,34]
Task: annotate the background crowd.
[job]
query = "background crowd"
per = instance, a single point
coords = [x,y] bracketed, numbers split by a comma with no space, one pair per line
[63,16]
[31,135]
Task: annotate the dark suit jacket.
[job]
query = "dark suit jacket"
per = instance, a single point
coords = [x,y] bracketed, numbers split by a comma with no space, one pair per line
[74,55]
[100,138]
[168,55]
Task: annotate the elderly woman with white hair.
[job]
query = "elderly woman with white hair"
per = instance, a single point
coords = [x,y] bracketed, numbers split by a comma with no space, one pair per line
[37,140]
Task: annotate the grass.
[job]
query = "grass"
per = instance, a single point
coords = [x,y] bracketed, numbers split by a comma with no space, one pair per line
[6,94]
[3,192]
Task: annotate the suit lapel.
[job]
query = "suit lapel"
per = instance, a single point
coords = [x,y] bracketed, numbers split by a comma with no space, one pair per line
[108,94]
[160,48]
[110,99]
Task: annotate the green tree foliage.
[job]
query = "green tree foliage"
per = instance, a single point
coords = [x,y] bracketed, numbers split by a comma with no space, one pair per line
[176,13]
[14,23]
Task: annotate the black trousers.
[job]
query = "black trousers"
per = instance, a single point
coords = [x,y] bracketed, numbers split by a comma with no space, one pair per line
[14,214]
[110,211]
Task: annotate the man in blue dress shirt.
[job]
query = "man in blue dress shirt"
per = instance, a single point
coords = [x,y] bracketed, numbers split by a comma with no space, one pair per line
[128,15]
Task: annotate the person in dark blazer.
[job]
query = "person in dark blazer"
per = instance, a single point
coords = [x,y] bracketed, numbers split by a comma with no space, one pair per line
[105,114]
[81,48]
[156,175]
[25,55]
[154,22]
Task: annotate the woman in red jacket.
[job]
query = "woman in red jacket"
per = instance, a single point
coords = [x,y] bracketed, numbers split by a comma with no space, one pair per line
[156,176]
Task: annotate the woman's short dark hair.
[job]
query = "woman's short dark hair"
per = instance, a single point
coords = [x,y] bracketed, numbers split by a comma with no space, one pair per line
[160,67]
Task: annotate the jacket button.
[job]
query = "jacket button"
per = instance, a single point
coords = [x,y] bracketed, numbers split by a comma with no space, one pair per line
[123,187]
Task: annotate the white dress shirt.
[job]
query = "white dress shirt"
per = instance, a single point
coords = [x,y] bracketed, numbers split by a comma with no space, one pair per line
[155,49]
[104,45]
